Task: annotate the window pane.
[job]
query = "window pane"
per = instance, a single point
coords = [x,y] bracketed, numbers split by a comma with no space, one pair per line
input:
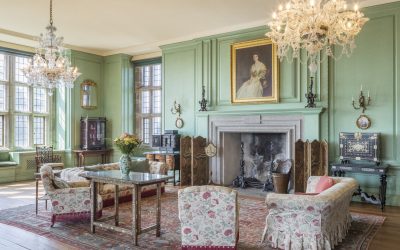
[156,125]
[39,100]
[146,130]
[146,102]
[157,75]
[3,106]
[1,130]
[20,63]
[38,130]
[146,76]
[157,101]
[22,98]
[22,131]
[3,67]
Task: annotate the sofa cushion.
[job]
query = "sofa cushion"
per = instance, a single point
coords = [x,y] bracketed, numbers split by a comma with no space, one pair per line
[140,165]
[60,183]
[324,183]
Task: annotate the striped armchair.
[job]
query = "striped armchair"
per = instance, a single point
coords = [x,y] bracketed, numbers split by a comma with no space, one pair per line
[209,217]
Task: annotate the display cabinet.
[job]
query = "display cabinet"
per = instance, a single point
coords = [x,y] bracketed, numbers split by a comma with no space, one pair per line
[93,133]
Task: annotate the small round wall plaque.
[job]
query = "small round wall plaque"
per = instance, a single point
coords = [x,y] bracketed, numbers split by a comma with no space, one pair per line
[179,122]
[363,122]
[211,150]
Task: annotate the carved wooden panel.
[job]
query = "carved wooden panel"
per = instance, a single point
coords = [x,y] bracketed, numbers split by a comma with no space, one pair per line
[185,161]
[324,157]
[300,163]
[199,164]
[311,159]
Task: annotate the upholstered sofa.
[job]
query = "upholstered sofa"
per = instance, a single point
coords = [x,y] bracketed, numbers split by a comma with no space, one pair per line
[107,190]
[313,221]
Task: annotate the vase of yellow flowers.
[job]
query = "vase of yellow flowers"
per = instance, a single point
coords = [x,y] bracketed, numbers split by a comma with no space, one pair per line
[127,144]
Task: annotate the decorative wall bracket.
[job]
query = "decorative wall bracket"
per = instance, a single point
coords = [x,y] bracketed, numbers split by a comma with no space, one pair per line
[203,102]
[362,101]
[176,110]
[310,95]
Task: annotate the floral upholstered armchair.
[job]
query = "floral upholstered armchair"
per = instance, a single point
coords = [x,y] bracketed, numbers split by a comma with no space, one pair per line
[209,217]
[310,221]
[68,199]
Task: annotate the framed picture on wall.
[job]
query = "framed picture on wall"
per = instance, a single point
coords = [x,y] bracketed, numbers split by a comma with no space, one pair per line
[254,72]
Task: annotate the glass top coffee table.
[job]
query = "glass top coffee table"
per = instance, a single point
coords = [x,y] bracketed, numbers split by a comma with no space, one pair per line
[136,181]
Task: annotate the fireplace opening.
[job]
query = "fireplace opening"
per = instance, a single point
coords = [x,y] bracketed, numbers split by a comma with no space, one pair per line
[259,151]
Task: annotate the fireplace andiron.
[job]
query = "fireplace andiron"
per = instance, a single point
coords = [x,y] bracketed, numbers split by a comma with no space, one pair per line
[244,182]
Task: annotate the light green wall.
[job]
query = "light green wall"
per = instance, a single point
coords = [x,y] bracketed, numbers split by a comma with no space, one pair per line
[118,100]
[374,63]
[68,109]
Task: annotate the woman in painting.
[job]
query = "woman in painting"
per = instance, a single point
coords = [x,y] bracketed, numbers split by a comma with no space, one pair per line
[254,86]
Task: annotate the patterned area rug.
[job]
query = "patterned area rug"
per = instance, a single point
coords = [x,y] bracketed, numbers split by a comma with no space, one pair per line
[252,220]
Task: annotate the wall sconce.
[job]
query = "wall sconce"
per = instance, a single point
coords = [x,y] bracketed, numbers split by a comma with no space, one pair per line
[203,102]
[362,101]
[310,96]
[176,110]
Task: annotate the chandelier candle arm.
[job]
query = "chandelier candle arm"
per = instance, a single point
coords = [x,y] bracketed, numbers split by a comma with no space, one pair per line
[315,26]
[50,67]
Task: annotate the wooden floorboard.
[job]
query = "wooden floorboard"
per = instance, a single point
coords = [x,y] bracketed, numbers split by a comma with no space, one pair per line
[388,236]
[20,239]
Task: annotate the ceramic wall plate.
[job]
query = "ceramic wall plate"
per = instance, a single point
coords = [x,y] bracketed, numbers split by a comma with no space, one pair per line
[363,122]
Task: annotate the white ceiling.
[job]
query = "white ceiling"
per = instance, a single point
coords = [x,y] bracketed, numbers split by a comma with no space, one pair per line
[135,27]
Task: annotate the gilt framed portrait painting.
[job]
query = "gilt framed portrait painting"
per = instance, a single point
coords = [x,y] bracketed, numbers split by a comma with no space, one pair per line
[254,72]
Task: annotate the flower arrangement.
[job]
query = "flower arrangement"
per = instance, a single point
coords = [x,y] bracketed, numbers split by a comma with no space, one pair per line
[127,143]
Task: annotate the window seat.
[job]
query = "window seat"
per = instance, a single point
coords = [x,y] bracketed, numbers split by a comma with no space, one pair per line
[8,164]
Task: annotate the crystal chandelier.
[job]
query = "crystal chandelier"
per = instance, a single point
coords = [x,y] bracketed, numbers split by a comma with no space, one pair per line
[50,67]
[315,25]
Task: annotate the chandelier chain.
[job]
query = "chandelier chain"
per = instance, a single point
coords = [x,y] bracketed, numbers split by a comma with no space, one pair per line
[51,12]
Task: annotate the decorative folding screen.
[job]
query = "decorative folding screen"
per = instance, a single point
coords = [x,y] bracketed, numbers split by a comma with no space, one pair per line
[311,159]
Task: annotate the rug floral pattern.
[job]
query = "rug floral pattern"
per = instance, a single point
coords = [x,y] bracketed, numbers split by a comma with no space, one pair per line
[252,221]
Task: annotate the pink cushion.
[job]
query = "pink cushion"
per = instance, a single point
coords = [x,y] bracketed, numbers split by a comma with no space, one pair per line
[324,183]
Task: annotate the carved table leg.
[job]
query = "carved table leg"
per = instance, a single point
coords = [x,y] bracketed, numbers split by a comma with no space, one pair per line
[37,195]
[158,217]
[382,190]
[93,200]
[116,205]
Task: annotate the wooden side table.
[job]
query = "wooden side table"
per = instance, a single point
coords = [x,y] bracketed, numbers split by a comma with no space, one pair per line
[82,154]
[342,169]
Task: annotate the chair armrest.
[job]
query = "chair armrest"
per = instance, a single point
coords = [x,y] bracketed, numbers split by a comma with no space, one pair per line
[292,202]
[71,191]
[55,165]
[77,184]
[102,167]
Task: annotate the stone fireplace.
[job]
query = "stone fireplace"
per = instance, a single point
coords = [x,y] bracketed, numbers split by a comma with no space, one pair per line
[265,138]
